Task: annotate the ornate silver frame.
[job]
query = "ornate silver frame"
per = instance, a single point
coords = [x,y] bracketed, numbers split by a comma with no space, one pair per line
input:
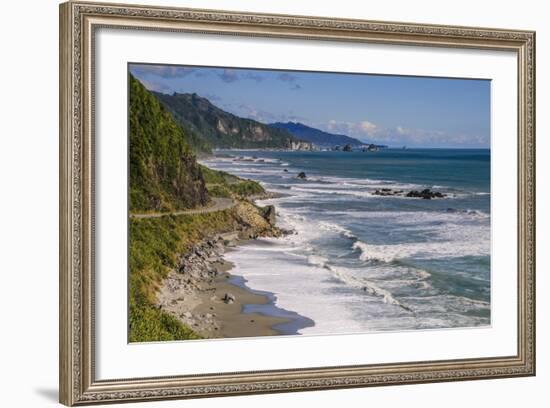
[78,22]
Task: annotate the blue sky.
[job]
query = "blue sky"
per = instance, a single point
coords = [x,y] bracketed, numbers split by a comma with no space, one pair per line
[393,110]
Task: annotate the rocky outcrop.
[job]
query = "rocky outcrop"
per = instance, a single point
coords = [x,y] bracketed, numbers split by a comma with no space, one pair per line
[270,215]
[388,192]
[300,145]
[425,194]
[302,175]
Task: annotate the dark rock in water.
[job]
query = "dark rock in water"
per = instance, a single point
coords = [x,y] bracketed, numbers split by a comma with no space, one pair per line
[269,214]
[347,148]
[228,298]
[388,192]
[302,175]
[425,194]
[286,232]
[285,170]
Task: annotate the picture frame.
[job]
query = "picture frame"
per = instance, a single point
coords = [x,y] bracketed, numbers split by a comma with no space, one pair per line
[79,24]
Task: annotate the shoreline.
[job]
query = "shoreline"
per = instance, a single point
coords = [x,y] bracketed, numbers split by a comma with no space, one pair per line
[400,302]
[204,295]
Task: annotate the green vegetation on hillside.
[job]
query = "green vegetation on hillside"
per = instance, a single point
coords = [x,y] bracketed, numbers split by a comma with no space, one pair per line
[164,174]
[222,184]
[218,176]
[220,128]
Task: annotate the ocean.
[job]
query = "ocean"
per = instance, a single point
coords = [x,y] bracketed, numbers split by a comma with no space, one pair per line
[359,262]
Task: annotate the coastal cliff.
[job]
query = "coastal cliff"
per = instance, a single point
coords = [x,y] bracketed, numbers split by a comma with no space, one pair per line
[175,216]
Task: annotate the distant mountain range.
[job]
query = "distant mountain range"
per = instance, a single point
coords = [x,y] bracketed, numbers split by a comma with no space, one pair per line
[207,126]
[221,129]
[316,136]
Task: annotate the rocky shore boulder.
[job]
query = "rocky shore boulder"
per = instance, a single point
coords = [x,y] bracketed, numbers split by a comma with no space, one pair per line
[302,175]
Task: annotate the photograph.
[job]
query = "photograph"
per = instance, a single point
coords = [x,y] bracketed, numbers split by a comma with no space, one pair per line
[266,202]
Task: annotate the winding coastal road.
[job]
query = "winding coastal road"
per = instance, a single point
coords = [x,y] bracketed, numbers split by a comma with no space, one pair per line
[219,204]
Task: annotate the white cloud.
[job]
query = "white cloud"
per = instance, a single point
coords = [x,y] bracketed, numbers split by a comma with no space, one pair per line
[252,112]
[356,129]
[368,127]
[368,131]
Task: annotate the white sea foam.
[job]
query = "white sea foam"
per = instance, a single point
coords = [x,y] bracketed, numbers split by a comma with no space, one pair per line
[365,285]
[329,226]
[326,191]
[448,304]
[317,260]
[420,218]
[280,275]
[360,289]
[427,250]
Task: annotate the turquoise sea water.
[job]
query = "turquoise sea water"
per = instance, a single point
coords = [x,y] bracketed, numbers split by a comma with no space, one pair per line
[360,262]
